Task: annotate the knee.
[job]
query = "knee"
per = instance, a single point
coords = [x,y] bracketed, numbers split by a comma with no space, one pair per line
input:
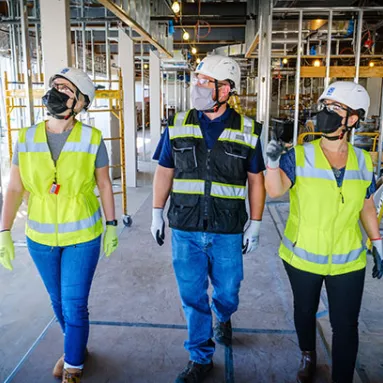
[75,313]
[347,326]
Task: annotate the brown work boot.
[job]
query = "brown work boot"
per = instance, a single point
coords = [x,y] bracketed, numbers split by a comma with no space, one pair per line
[59,366]
[307,367]
[72,375]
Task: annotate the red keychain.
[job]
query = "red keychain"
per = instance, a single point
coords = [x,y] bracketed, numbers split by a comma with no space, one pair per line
[55,188]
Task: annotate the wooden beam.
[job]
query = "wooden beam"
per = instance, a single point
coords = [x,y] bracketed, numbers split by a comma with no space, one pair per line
[342,71]
[125,18]
[252,46]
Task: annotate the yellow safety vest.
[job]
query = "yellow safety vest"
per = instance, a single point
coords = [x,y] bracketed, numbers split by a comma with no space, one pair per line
[73,215]
[322,234]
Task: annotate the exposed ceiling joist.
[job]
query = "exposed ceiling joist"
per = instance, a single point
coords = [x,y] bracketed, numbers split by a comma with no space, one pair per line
[125,18]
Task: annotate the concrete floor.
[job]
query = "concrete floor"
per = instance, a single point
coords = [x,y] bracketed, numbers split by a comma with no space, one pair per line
[138,327]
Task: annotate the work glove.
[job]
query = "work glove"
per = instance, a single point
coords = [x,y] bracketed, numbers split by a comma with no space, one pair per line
[274,151]
[110,240]
[7,250]
[158,225]
[251,237]
[377,253]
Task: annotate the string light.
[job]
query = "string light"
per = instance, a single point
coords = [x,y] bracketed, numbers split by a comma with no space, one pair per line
[194,50]
[198,60]
[176,7]
[371,64]
[186,36]
[316,63]
[285,61]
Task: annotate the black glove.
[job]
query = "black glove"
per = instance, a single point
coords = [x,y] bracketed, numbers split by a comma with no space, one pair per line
[377,270]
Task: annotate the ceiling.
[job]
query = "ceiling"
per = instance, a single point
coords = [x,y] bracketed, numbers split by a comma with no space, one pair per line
[210,24]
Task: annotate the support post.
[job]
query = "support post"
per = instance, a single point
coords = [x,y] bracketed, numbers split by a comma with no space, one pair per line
[30,114]
[264,67]
[55,29]
[328,51]
[297,79]
[155,99]
[126,63]
[143,100]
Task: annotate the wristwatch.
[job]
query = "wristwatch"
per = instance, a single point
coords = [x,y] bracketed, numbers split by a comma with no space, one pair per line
[111,223]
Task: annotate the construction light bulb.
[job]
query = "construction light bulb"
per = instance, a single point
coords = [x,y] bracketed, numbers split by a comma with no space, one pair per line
[186,36]
[317,63]
[198,60]
[176,7]
[371,64]
[285,61]
[194,50]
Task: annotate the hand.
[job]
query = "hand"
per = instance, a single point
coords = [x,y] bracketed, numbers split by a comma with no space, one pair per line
[7,250]
[110,240]
[158,225]
[377,252]
[274,151]
[251,237]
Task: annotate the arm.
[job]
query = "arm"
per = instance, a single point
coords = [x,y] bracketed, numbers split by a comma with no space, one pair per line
[257,195]
[277,183]
[162,184]
[106,192]
[13,199]
[369,219]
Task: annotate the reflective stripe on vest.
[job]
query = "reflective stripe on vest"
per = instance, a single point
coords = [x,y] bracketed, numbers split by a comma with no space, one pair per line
[186,186]
[84,146]
[310,171]
[228,191]
[245,136]
[338,259]
[180,130]
[69,227]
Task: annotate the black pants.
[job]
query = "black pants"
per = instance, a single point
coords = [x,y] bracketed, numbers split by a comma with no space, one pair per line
[344,294]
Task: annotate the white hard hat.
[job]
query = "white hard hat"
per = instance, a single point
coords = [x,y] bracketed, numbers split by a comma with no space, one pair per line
[348,93]
[221,68]
[79,79]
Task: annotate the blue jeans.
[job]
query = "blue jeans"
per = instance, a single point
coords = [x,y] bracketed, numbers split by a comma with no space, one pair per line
[196,257]
[67,273]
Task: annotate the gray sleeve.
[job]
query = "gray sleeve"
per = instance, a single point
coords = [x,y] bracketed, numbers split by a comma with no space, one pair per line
[15,157]
[102,158]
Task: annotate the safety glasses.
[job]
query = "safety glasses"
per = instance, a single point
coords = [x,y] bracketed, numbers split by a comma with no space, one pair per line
[195,80]
[63,88]
[332,107]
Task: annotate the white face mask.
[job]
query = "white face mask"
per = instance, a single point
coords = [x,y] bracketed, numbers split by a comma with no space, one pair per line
[202,98]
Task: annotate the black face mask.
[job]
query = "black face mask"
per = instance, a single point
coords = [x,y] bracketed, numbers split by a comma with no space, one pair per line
[328,122]
[56,102]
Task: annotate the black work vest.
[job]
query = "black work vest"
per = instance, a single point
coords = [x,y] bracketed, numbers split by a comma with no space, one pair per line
[209,186]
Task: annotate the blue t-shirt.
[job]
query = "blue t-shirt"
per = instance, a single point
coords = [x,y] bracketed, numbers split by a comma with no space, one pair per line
[287,164]
[211,130]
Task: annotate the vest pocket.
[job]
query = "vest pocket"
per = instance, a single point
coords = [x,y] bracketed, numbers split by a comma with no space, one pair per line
[184,211]
[229,215]
[185,158]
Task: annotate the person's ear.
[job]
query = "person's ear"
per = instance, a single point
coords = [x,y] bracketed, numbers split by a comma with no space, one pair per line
[352,120]
[224,91]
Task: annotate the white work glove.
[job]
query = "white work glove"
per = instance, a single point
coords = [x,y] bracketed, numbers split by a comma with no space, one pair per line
[377,253]
[274,151]
[158,225]
[251,237]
